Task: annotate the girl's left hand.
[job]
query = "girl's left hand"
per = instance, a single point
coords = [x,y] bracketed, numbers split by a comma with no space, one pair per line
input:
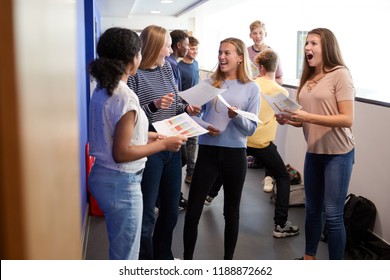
[231,112]
[154,136]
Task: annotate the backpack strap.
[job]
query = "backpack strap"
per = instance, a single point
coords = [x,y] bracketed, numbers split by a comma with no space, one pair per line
[349,208]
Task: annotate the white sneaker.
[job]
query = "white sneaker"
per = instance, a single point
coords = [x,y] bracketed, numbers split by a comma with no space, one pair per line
[268,184]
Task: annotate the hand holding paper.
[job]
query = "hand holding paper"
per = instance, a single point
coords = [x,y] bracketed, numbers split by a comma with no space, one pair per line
[281,103]
[245,114]
[179,125]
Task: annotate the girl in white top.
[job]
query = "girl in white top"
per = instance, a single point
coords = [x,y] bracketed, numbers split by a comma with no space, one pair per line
[119,141]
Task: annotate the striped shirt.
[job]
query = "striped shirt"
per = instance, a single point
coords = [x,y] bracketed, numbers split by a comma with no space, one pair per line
[152,84]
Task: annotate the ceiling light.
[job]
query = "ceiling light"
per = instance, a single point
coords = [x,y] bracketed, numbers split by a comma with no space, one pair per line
[155,12]
[166,1]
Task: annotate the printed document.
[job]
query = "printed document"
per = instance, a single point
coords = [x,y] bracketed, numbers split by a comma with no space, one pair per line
[280,103]
[245,114]
[200,94]
[181,124]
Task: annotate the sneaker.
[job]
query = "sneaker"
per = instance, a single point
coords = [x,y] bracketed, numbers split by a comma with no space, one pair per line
[286,231]
[188,179]
[268,183]
[183,203]
[208,200]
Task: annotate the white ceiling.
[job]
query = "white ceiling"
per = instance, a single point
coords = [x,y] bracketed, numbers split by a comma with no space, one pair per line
[126,8]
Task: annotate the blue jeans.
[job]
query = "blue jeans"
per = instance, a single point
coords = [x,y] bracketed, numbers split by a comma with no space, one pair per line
[326,186]
[120,198]
[162,179]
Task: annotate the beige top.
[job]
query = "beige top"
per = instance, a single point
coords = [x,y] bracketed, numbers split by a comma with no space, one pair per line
[322,98]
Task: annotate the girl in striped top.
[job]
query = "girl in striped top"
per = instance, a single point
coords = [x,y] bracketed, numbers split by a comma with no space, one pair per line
[155,87]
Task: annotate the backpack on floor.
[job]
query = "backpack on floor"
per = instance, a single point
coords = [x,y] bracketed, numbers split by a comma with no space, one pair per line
[295,176]
[359,219]
[297,189]
[297,195]
[253,162]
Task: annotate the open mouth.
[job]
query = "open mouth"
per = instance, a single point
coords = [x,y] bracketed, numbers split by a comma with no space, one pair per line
[309,56]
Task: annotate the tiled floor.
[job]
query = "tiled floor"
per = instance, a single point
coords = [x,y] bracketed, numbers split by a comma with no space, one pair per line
[255,241]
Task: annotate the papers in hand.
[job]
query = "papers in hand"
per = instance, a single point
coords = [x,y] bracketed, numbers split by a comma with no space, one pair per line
[180,124]
[280,103]
[200,93]
[245,114]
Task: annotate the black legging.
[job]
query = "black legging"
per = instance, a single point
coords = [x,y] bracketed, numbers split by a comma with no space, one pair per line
[212,161]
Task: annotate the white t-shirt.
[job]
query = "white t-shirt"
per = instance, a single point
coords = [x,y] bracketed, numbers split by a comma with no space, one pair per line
[104,112]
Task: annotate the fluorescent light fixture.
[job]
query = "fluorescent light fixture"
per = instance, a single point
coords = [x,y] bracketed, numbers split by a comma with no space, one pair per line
[166,1]
[155,12]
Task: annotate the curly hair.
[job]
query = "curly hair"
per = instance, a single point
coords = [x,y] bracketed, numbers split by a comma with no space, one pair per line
[116,48]
[177,36]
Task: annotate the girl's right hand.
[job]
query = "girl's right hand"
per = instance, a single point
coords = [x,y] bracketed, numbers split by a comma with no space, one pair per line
[282,119]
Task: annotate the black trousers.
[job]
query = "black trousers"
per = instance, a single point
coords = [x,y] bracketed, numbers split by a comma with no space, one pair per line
[212,162]
[274,167]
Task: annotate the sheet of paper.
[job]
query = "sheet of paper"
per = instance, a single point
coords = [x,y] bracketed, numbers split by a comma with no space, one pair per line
[245,114]
[280,103]
[200,93]
[255,70]
[180,124]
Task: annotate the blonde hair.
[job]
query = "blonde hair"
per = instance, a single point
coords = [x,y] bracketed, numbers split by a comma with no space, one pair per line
[153,39]
[243,69]
[256,24]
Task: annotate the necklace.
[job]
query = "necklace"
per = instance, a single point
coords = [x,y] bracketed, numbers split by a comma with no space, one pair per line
[228,85]
[312,83]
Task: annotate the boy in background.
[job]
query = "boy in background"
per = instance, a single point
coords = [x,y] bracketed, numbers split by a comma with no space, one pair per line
[189,70]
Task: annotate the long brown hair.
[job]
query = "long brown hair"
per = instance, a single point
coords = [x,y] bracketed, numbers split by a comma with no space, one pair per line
[243,70]
[153,38]
[331,55]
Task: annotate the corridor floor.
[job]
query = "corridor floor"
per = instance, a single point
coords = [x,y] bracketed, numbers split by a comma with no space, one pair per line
[255,240]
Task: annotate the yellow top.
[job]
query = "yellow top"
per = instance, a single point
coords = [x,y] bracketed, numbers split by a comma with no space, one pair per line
[265,133]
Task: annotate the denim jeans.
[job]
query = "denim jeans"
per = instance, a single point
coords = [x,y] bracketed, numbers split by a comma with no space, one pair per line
[191,145]
[213,161]
[162,179]
[120,198]
[326,180]
[274,165]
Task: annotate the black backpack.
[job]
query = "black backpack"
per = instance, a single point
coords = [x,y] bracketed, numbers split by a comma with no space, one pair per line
[359,218]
